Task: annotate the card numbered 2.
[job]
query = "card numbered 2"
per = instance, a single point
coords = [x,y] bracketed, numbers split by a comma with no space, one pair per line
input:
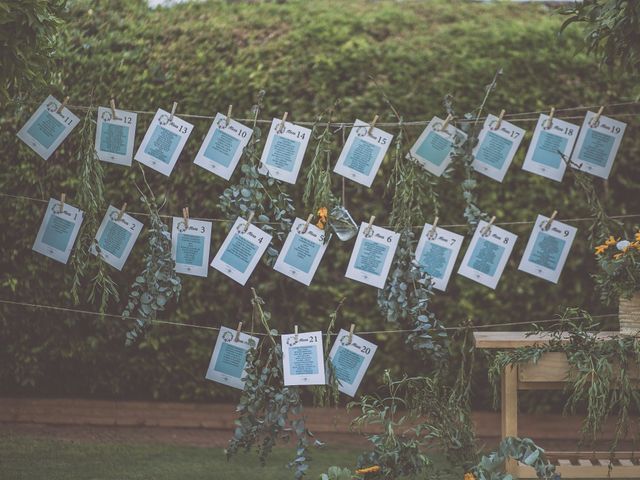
[372,255]
[284,151]
[496,147]
[115,135]
[229,358]
[116,237]
[597,145]
[303,359]
[58,231]
[190,242]
[435,145]
[436,253]
[350,358]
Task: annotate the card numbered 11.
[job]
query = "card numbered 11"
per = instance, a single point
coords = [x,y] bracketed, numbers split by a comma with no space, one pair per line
[303,359]
[547,249]
[190,242]
[496,147]
[47,128]
[284,151]
[58,231]
[487,255]
[363,153]
[437,252]
[434,146]
[350,360]
[115,135]
[229,357]
[372,255]
[116,237]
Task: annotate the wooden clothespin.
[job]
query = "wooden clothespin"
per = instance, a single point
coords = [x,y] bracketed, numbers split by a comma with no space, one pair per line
[246,225]
[121,212]
[62,105]
[370,226]
[372,125]
[173,110]
[295,333]
[350,337]
[185,216]
[595,120]
[282,125]
[228,119]
[445,124]
[238,330]
[63,197]
[306,224]
[548,223]
[487,228]
[433,232]
[112,103]
[499,121]
[549,123]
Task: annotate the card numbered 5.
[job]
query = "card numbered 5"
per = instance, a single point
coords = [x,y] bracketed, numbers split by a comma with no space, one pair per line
[190,242]
[496,147]
[372,255]
[116,237]
[434,148]
[303,358]
[284,151]
[229,357]
[436,253]
[115,135]
[598,144]
[58,231]
[350,357]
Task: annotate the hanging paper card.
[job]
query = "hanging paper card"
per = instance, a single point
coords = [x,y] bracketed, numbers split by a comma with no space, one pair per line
[434,146]
[372,255]
[47,129]
[241,251]
[223,146]
[190,246]
[548,144]
[437,252]
[283,153]
[496,148]
[487,255]
[363,153]
[547,249]
[303,359]
[115,238]
[115,136]
[229,357]
[58,231]
[350,361]
[597,145]
[163,142]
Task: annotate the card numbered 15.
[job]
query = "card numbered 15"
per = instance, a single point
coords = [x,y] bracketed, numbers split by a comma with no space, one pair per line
[190,242]
[496,147]
[58,231]
[437,252]
[303,359]
[116,237]
[229,357]
[115,135]
[434,146]
[372,255]
[284,151]
[350,360]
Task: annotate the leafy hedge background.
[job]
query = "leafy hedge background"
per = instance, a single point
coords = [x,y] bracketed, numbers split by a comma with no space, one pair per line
[305,55]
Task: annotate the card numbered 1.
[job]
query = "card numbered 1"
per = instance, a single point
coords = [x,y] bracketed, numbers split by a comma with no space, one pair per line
[437,252]
[434,147]
[115,136]
[487,255]
[284,151]
[47,129]
[241,251]
[350,360]
[223,146]
[116,237]
[58,231]
[597,145]
[363,153]
[190,244]
[496,147]
[229,357]
[372,255]
[303,359]
[547,249]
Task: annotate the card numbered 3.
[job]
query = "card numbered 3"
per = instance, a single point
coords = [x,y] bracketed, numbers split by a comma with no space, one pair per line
[190,242]
[597,144]
[435,145]
[115,135]
[436,253]
[116,237]
[350,358]
[303,359]
[58,231]
[372,255]
[229,358]
[496,147]
[284,151]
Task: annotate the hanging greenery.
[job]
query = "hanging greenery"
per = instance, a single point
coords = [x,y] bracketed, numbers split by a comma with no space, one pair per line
[619,262]
[327,395]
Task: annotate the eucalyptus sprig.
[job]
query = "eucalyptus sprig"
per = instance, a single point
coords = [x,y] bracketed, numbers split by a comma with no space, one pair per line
[325,395]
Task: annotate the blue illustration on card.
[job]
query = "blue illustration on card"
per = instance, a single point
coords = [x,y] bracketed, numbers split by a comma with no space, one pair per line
[302,253]
[222,148]
[239,253]
[434,259]
[596,147]
[46,129]
[303,360]
[434,149]
[371,256]
[547,250]
[163,144]
[494,150]
[347,364]
[114,138]
[114,239]
[486,257]
[231,360]
[361,156]
[283,153]
[58,232]
[547,150]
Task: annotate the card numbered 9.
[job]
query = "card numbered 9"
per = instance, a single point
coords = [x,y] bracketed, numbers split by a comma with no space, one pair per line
[116,237]
[372,255]
[229,357]
[115,135]
[496,147]
[58,231]
[434,147]
[284,151]
[350,358]
[190,241]
[436,253]
[303,359]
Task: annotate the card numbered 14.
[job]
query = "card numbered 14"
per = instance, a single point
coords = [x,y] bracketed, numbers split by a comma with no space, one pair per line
[284,151]
[350,357]
[372,255]
[229,357]
[303,359]
[436,253]
[58,231]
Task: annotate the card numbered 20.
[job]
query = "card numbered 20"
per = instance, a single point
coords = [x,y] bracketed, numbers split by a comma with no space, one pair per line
[58,231]
[303,359]
[229,357]
[434,147]
[437,252]
[496,147]
[190,242]
[372,255]
[350,360]
[115,135]
[284,151]
[116,237]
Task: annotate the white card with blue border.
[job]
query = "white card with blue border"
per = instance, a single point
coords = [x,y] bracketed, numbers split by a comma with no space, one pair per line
[47,129]
[302,251]
[436,253]
[547,249]
[372,255]
[223,146]
[350,360]
[496,148]
[163,142]
[597,145]
[229,358]
[362,154]
[487,255]
[284,151]
[435,146]
[116,237]
[58,231]
[115,136]
[303,359]
[190,244]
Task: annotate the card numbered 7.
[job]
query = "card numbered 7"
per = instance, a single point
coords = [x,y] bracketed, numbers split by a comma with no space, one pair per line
[496,147]
[487,254]
[190,241]
[284,151]
[229,357]
[303,359]
[350,357]
[434,146]
[437,252]
[115,135]
[58,231]
[116,237]
[372,255]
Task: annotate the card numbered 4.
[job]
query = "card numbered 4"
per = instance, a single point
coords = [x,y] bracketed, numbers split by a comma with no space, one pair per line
[115,135]
[350,358]
[190,242]
[284,151]
[372,255]
[496,147]
[436,253]
[303,359]
[229,357]
[116,237]
[434,147]
[597,144]
[58,231]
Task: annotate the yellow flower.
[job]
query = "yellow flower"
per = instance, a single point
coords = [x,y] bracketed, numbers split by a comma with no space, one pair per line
[617,256]
[323,215]
[600,249]
[323,212]
[638,236]
[611,241]
[469,476]
[373,469]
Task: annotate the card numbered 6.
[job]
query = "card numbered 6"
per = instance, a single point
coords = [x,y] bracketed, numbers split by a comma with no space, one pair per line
[58,231]
[372,255]
[229,357]
[437,252]
[303,359]
[116,237]
[284,151]
[115,135]
[496,147]
[434,146]
[350,358]
[190,242]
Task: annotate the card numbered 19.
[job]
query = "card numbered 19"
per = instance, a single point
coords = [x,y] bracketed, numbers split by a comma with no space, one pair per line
[496,147]
[115,135]
[597,144]
[190,242]
[437,252]
[547,249]
[163,142]
[229,357]
[58,231]
[241,250]
[363,153]
[303,359]
[372,255]
[284,151]
[434,146]
[116,237]
[350,359]
[47,128]
[487,255]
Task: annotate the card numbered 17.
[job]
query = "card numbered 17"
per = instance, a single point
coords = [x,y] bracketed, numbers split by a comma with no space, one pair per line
[190,242]
[350,357]
[116,237]
[434,147]
[372,255]
[115,135]
[284,151]
[436,253]
[303,358]
[229,358]
[496,147]
[58,231]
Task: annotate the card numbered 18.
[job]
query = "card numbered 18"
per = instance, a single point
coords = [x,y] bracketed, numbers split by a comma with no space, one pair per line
[435,145]
[350,360]
[487,255]
[284,151]
[303,359]
[547,249]
[47,129]
[597,144]
[163,142]
[116,237]
[363,153]
[372,255]
[241,250]
[115,135]
[229,357]
[437,252]
[58,231]
[190,242]
[496,147]
[223,146]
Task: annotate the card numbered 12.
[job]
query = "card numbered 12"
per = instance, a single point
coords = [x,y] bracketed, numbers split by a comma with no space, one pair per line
[58,231]
[547,249]
[434,146]
[303,359]
[372,255]
[115,135]
[496,147]
[284,151]
[437,252]
[487,255]
[350,360]
[229,357]
[363,153]
[116,237]
[190,244]
[47,129]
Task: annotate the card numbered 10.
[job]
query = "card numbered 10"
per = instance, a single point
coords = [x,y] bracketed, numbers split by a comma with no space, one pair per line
[496,147]
[284,151]
[229,357]
[58,231]
[116,237]
[372,255]
[350,360]
[437,252]
[434,146]
[115,135]
[303,359]
[190,242]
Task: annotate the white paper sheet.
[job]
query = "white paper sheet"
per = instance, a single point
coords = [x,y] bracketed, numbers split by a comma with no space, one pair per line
[58,231]
[115,136]
[115,238]
[190,246]
[229,358]
[597,145]
[372,255]
[303,359]
[437,252]
[284,151]
[434,147]
[495,150]
[351,360]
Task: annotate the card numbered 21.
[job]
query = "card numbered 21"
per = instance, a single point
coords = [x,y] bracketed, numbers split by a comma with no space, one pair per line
[303,359]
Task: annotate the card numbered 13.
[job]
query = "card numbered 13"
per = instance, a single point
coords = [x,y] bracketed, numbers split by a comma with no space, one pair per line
[436,253]
[350,360]
[229,357]
[190,242]
[115,135]
[116,237]
[372,255]
[303,358]
[284,151]
[434,146]
[58,231]
[496,147]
